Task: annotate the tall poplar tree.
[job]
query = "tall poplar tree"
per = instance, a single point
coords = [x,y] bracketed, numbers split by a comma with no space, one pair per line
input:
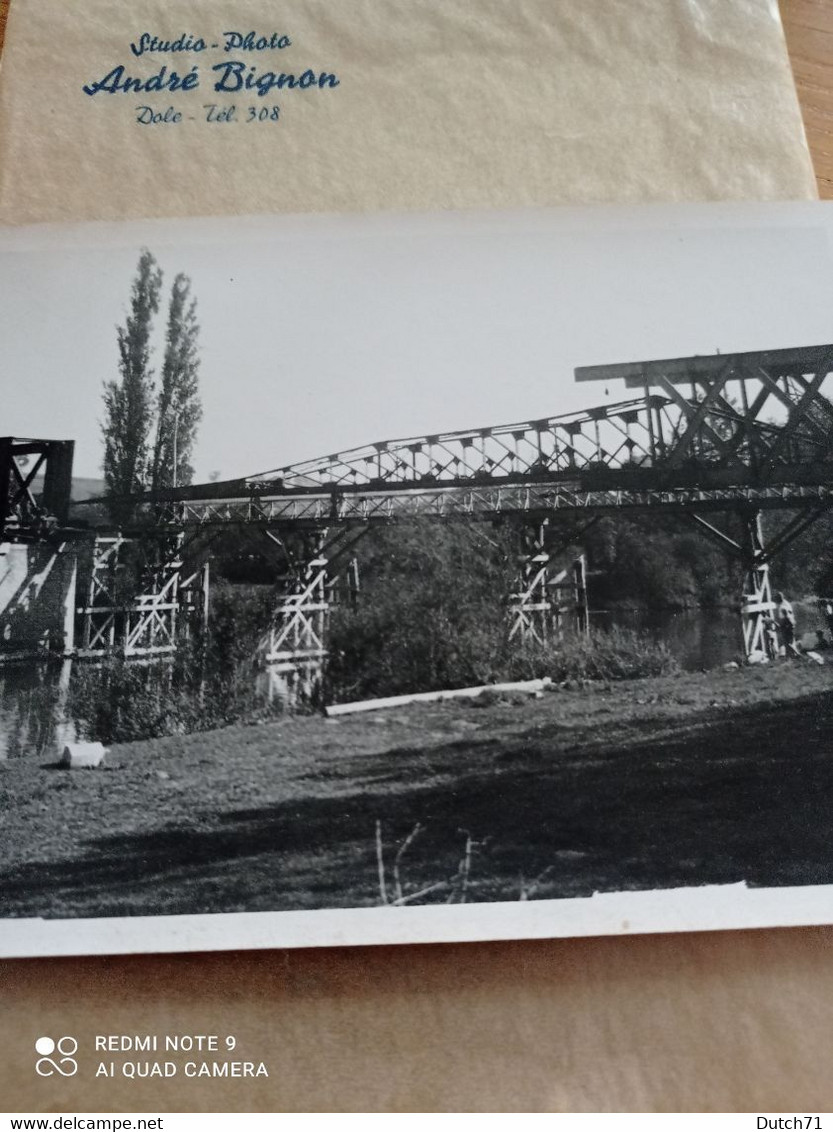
[128,402]
[149,434]
[178,408]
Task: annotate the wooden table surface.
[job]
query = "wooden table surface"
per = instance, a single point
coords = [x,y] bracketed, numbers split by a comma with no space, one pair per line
[809,29]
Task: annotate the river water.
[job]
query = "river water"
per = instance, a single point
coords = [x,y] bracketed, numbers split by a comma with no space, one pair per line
[34,720]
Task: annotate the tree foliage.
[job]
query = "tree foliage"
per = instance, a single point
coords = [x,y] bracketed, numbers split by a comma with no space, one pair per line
[432,610]
[149,434]
[658,563]
[178,409]
[128,402]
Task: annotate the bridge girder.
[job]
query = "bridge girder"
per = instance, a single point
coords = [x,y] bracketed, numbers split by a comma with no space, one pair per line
[757,414]
[752,429]
[752,432]
[543,500]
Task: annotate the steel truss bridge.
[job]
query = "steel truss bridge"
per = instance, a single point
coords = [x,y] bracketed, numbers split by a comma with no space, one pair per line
[697,437]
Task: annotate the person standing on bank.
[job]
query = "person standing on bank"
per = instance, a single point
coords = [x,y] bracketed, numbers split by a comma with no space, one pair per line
[785,618]
[771,639]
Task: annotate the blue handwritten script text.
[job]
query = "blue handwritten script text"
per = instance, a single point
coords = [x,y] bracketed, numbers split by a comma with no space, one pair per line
[147,116]
[230,76]
[251,41]
[117,81]
[148,42]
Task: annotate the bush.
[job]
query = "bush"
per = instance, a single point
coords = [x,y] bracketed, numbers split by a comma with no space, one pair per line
[210,682]
[432,612]
[119,701]
[433,615]
[656,563]
[620,654]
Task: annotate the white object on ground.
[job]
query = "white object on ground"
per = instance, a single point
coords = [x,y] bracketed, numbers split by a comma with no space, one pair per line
[83,755]
[530,686]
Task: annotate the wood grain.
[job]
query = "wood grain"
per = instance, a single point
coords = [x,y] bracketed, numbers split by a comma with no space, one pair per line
[808,25]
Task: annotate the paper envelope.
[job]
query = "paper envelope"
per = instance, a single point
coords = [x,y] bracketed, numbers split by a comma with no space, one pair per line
[110,111]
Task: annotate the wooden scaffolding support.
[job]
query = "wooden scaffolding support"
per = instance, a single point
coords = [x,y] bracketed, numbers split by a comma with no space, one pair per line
[757,607]
[293,651]
[546,604]
[530,607]
[117,620]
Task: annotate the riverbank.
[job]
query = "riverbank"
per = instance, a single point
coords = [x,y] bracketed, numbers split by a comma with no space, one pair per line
[701,778]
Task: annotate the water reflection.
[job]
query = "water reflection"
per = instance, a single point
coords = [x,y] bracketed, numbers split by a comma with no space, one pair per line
[34,719]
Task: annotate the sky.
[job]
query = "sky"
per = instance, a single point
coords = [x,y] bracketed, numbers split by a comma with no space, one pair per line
[320,334]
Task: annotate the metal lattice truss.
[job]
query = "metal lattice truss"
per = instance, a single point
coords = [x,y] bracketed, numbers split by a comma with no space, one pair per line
[758,413]
[534,500]
[35,484]
[530,448]
[742,432]
[705,433]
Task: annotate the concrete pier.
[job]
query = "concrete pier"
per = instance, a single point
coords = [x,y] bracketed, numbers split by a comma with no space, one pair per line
[37,599]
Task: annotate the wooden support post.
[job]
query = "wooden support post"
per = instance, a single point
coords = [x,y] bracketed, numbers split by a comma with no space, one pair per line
[292,653]
[69,607]
[582,606]
[194,599]
[101,616]
[293,650]
[570,608]
[530,608]
[758,606]
[147,623]
[152,617]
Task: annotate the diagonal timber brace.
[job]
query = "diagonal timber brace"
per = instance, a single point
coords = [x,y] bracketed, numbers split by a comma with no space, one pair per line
[545,602]
[530,609]
[757,609]
[140,612]
[293,650]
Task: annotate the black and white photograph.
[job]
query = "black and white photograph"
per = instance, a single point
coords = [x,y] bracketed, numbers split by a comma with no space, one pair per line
[415,577]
